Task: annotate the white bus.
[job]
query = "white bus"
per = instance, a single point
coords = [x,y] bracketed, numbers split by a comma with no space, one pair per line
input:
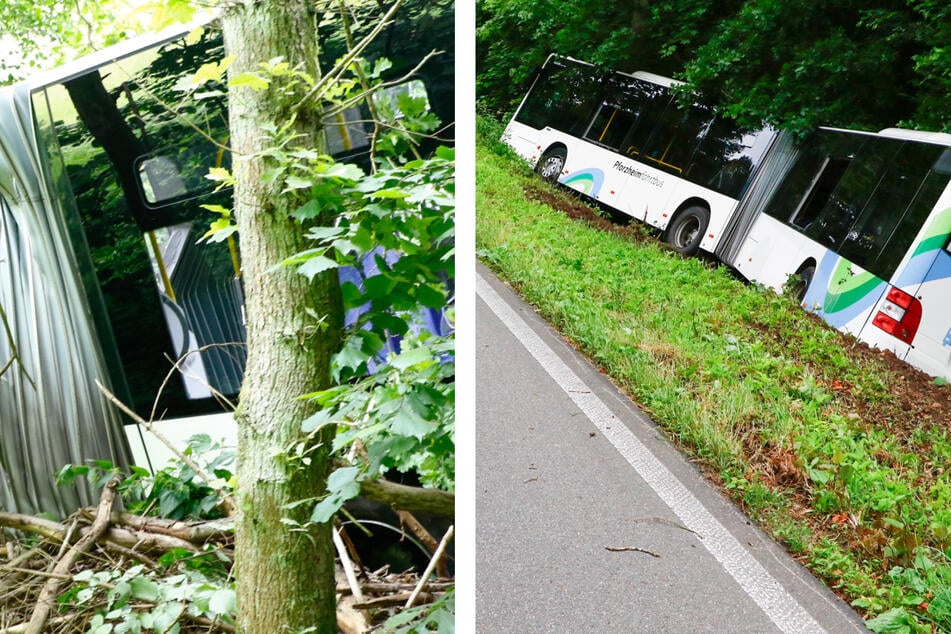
[859,221]
[624,141]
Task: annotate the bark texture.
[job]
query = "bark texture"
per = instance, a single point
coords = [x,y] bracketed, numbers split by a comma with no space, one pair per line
[285,578]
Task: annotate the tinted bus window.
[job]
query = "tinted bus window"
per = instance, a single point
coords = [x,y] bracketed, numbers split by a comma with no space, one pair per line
[892,252]
[135,170]
[648,101]
[727,156]
[676,137]
[564,97]
[821,162]
[843,207]
[627,101]
[895,201]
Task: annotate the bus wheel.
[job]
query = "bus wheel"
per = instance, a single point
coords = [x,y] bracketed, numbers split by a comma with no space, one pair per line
[551,164]
[799,289]
[685,231]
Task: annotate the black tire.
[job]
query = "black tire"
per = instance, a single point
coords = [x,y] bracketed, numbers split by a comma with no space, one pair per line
[799,289]
[685,231]
[551,164]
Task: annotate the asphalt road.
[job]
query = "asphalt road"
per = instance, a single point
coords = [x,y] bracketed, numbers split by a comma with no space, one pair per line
[587,520]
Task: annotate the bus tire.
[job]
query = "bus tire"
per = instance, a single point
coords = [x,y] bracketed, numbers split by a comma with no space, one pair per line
[551,164]
[799,289]
[685,231]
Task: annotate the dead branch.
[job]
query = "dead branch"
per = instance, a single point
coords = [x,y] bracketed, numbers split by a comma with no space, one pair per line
[51,589]
[429,569]
[35,525]
[194,532]
[55,531]
[392,588]
[621,549]
[394,600]
[407,498]
[409,520]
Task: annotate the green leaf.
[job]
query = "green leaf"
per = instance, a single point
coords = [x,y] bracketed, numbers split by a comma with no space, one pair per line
[379,286]
[407,422]
[307,211]
[222,602]
[390,193]
[409,358]
[292,183]
[315,265]
[317,421]
[144,588]
[430,297]
[251,80]
[323,234]
[344,481]
[347,171]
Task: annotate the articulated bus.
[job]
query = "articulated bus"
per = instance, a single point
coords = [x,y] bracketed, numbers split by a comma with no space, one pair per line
[102,277]
[859,222]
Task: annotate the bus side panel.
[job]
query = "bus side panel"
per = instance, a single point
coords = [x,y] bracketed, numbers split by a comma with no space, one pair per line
[643,192]
[843,294]
[772,252]
[528,142]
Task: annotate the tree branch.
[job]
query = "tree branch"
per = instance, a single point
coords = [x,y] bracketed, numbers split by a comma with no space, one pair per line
[51,588]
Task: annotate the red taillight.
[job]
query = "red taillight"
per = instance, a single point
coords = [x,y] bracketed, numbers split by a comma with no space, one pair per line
[900,315]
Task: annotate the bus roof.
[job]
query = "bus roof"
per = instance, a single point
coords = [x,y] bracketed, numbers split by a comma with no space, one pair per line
[112,53]
[939,138]
[657,79]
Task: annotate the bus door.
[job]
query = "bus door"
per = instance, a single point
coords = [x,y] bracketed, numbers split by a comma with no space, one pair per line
[130,154]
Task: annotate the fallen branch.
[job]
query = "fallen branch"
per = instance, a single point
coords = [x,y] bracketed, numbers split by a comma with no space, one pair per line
[120,536]
[406,498]
[401,497]
[371,587]
[51,589]
[409,520]
[429,569]
[393,600]
[194,532]
[621,549]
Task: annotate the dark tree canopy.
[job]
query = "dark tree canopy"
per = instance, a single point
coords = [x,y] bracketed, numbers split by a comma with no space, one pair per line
[793,65]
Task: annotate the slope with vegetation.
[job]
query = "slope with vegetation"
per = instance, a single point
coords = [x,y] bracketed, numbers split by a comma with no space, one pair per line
[842,452]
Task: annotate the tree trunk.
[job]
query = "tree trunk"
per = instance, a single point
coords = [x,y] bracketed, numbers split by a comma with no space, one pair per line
[285,577]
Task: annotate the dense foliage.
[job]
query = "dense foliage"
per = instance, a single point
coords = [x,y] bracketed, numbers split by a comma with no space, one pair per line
[794,65]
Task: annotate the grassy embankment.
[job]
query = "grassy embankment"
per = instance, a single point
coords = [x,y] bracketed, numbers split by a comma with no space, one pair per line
[839,457]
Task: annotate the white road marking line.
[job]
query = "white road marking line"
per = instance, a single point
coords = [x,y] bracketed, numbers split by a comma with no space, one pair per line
[781,608]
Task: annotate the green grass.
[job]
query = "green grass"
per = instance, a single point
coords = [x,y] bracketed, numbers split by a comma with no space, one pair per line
[772,402]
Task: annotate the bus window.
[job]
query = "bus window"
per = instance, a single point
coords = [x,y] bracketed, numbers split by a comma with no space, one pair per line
[727,156]
[178,173]
[618,113]
[894,202]
[647,100]
[915,215]
[564,98]
[859,180]
[826,180]
[610,126]
[134,167]
[676,136]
